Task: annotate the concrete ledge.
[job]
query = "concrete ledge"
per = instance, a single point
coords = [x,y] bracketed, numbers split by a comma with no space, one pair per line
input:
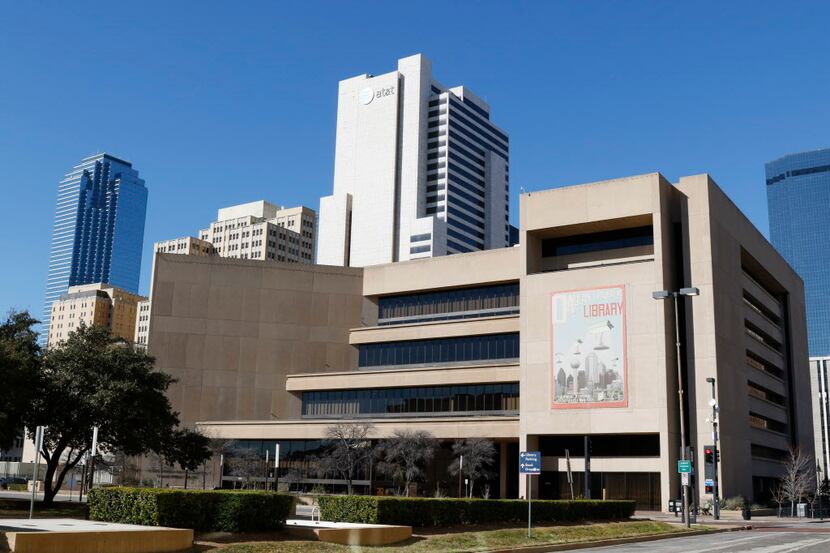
[79,536]
[125,541]
[364,536]
[345,533]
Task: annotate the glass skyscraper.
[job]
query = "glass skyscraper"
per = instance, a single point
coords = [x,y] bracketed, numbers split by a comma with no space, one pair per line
[99,229]
[798,199]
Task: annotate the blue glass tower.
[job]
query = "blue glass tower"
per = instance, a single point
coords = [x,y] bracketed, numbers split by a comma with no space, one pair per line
[99,228]
[798,199]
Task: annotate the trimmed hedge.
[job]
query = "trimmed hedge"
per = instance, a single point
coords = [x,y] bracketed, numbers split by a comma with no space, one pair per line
[422,512]
[202,510]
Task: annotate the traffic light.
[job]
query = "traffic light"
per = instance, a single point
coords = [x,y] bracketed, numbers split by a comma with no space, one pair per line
[709,454]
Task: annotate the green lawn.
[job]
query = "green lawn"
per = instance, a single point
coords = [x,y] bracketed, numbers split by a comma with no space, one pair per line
[19,508]
[486,540]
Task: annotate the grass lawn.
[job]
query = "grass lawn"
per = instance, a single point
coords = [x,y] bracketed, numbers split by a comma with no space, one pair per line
[19,508]
[485,540]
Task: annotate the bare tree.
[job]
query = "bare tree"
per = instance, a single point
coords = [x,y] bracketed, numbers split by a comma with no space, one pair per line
[292,477]
[245,464]
[217,447]
[779,495]
[479,454]
[404,456]
[349,449]
[798,476]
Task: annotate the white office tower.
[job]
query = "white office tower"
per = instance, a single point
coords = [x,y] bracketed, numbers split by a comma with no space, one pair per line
[419,171]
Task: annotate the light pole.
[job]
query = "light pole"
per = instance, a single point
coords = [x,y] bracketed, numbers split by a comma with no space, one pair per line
[715,454]
[662,295]
[819,490]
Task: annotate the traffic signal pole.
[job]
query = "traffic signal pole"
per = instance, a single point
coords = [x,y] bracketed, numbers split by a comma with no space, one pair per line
[684,487]
[715,453]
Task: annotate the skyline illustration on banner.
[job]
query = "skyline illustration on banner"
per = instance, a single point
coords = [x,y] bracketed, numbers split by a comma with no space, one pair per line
[589,366]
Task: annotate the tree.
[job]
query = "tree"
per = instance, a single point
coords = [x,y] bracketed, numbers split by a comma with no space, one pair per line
[217,447]
[798,476]
[19,360]
[779,495]
[348,450]
[246,464]
[479,454]
[188,449]
[90,380]
[404,456]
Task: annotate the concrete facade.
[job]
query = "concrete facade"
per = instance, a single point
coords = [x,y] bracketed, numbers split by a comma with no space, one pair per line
[430,345]
[231,331]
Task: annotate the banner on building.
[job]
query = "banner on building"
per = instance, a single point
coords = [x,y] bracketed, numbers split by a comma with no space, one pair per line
[588,345]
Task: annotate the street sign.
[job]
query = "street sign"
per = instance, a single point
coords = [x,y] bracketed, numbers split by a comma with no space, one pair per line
[709,482]
[684,478]
[530,462]
[684,466]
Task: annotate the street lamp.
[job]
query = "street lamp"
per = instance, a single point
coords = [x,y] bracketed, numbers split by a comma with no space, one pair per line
[819,490]
[715,479]
[663,295]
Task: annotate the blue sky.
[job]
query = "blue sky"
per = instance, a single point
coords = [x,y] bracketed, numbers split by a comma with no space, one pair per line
[219,103]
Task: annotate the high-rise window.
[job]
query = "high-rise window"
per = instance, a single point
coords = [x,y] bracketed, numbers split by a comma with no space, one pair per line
[798,198]
[99,228]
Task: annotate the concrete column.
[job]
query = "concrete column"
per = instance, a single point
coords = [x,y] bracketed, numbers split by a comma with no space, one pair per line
[503,476]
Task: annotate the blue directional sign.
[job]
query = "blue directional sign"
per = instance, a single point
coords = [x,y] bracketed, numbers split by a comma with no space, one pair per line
[530,462]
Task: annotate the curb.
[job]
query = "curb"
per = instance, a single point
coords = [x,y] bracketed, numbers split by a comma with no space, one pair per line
[616,541]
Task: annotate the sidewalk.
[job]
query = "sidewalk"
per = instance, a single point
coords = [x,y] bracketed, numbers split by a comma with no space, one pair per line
[735,520]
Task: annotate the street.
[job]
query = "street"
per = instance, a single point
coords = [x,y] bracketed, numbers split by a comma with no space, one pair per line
[62,496]
[801,538]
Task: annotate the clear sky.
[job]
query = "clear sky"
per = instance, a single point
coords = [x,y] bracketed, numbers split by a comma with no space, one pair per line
[217,103]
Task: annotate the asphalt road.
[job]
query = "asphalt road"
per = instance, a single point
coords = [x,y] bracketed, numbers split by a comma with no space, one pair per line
[771,540]
[6,494]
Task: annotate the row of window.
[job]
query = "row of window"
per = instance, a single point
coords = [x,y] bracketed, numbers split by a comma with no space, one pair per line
[798,173]
[762,336]
[598,241]
[756,305]
[478,244]
[423,400]
[447,303]
[762,364]
[765,423]
[465,349]
[484,123]
[455,247]
[756,390]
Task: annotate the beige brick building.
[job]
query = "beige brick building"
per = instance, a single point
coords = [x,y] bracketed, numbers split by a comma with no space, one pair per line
[187,245]
[94,304]
[535,347]
[261,230]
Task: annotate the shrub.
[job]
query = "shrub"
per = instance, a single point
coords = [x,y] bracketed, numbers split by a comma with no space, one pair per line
[223,511]
[421,512]
[734,503]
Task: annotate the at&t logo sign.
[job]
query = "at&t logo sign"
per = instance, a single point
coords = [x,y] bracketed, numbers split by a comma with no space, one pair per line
[368,94]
